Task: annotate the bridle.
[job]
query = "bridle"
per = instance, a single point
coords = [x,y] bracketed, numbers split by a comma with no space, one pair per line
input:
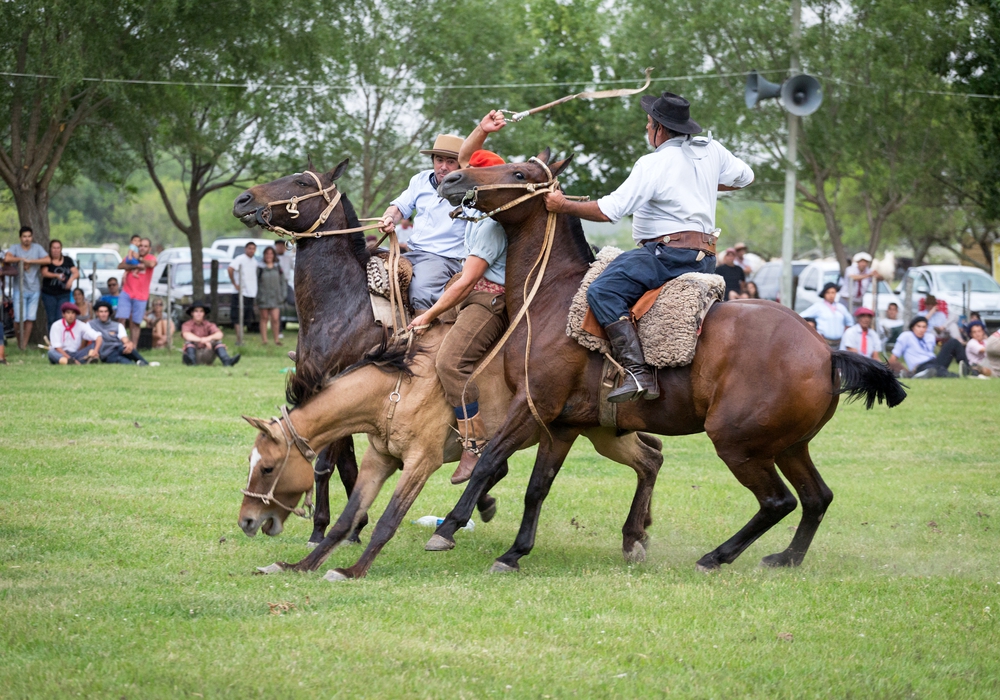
[292,438]
[534,189]
[263,214]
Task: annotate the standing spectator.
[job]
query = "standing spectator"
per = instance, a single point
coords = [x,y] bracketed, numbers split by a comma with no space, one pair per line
[33,256]
[860,337]
[112,296]
[975,350]
[831,316]
[271,290]
[162,326]
[243,275]
[67,336]
[86,310]
[748,261]
[199,333]
[857,280]
[116,347]
[892,325]
[732,273]
[286,259]
[135,288]
[916,348]
[57,280]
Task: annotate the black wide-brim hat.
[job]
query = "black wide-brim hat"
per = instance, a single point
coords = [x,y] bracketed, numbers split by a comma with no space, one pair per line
[197,305]
[672,111]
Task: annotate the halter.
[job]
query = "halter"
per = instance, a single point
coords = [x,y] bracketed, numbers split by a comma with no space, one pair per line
[534,189]
[291,438]
[263,214]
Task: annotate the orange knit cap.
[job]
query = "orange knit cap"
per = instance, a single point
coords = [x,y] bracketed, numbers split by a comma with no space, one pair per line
[485,159]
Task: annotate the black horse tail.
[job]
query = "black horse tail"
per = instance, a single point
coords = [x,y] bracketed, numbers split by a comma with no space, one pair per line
[863,377]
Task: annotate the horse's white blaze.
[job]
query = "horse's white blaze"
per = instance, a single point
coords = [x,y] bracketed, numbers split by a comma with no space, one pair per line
[254,460]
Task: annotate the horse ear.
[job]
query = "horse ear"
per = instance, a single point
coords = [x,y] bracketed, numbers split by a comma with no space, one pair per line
[545,155]
[560,165]
[339,170]
[309,162]
[263,426]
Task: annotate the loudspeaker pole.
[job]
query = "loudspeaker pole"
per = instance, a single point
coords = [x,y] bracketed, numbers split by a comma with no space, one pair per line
[791,155]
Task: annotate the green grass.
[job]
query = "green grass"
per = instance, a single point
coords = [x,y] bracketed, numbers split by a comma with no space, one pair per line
[123,572]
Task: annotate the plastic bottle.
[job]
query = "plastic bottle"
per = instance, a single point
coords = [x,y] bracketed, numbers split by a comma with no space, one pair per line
[434,521]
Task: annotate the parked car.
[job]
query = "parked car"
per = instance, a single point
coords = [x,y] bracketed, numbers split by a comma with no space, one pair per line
[821,272]
[768,278]
[235,246]
[982,293]
[182,288]
[107,260]
[171,255]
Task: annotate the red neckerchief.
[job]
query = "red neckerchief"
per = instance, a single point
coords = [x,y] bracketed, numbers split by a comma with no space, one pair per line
[69,329]
[864,342]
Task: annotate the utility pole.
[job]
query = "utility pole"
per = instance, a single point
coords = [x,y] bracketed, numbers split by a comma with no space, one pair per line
[791,155]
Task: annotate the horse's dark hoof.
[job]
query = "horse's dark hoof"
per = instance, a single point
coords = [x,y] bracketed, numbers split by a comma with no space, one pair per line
[487,514]
[500,568]
[438,544]
[781,559]
[353,539]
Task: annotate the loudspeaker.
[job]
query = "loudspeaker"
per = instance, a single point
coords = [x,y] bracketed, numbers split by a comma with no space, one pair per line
[801,95]
[759,89]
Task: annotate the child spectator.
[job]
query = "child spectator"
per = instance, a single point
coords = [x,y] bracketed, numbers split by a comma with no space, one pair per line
[67,336]
[112,296]
[831,317]
[116,348]
[86,310]
[199,333]
[57,280]
[135,288]
[860,337]
[132,255]
[162,326]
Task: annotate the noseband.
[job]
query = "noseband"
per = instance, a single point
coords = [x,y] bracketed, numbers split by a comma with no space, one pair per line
[291,438]
[263,214]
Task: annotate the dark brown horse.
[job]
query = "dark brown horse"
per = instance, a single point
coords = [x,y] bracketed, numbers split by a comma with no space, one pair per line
[762,383]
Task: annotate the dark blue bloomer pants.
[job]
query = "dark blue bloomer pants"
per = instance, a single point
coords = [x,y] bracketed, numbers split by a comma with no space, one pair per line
[635,272]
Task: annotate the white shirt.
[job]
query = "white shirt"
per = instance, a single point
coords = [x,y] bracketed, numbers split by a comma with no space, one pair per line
[72,338]
[675,189]
[852,339]
[434,231]
[975,352]
[248,266]
[849,287]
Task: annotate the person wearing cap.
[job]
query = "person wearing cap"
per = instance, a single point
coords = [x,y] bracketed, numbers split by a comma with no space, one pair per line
[860,337]
[733,274]
[916,346]
[437,242]
[116,348]
[199,333]
[482,313]
[671,195]
[748,261]
[67,337]
[831,316]
[857,280]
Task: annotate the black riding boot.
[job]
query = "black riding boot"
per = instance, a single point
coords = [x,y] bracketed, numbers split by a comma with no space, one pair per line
[227,361]
[189,357]
[639,380]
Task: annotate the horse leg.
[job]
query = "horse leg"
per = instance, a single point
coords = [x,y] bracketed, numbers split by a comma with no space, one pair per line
[776,501]
[815,495]
[410,483]
[322,471]
[551,455]
[375,469]
[347,467]
[646,460]
[487,504]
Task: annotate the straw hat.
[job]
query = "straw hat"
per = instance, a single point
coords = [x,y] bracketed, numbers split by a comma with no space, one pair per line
[445,145]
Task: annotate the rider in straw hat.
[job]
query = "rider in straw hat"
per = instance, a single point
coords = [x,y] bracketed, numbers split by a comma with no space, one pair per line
[437,242]
[671,194]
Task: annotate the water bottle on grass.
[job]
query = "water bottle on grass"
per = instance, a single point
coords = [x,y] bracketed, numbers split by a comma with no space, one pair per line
[434,521]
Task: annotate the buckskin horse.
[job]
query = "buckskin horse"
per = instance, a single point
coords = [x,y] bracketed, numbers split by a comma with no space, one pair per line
[762,383]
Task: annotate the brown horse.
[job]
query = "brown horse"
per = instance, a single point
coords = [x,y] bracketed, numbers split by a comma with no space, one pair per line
[410,426]
[762,383]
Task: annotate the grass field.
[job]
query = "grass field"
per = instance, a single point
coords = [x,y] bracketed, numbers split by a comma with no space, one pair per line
[123,573]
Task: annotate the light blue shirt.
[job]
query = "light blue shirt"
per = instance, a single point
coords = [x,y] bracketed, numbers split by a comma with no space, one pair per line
[487,240]
[434,231]
[915,351]
[831,320]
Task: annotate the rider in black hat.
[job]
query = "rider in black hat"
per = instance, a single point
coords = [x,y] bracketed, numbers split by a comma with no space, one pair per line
[671,194]
[202,333]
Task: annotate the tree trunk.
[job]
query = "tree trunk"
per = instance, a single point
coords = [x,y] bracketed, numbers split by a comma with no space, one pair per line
[194,240]
[33,210]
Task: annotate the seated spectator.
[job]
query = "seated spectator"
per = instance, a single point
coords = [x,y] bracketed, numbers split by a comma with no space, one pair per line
[860,337]
[892,325]
[750,292]
[162,326]
[975,350]
[112,296]
[916,348]
[748,261]
[116,348]
[831,316]
[732,273]
[993,354]
[86,310]
[201,334]
[936,313]
[67,337]
[3,351]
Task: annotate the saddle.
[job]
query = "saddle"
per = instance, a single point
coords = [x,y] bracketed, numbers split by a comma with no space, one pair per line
[668,318]
[378,288]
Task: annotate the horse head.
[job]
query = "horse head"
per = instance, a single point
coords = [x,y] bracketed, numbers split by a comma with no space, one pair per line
[489,189]
[279,476]
[294,202]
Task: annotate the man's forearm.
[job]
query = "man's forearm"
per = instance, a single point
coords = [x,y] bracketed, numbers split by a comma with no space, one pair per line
[393,212]
[453,296]
[473,142]
[584,210]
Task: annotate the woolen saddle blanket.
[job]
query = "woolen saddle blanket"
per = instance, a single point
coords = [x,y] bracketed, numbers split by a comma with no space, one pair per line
[378,275]
[668,318]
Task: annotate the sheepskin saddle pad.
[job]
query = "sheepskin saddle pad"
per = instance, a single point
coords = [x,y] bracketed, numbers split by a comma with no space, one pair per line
[668,327]
[378,275]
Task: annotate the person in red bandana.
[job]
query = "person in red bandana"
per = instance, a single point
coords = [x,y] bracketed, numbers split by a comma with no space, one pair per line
[67,337]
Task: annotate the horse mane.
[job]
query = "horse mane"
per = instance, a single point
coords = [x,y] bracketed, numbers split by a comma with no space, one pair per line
[580,239]
[389,356]
[358,244]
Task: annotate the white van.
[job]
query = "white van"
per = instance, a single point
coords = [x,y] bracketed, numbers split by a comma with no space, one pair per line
[107,260]
[234,246]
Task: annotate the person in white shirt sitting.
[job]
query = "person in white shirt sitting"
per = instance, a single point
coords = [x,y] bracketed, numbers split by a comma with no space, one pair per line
[891,326]
[916,348]
[860,337]
[975,351]
[436,246]
[671,194]
[67,337]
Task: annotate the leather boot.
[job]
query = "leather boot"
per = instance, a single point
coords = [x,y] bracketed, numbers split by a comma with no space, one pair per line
[189,357]
[472,435]
[227,361]
[639,380]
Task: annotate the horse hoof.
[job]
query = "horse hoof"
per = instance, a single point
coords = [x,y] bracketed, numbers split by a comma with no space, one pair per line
[500,568]
[270,569]
[701,568]
[438,544]
[334,575]
[637,555]
[775,561]
[491,510]
[312,545]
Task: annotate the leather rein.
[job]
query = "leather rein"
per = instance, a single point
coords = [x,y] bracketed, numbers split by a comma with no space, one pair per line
[292,438]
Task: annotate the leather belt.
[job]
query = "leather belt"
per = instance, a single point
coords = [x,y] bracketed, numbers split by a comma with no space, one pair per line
[690,240]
